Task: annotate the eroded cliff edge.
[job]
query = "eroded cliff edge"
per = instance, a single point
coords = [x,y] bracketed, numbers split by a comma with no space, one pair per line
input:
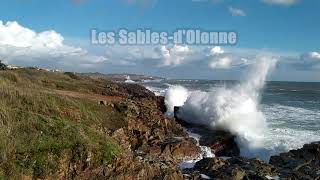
[69,126]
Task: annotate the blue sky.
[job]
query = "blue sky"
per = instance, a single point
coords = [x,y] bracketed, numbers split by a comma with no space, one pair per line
[287,29]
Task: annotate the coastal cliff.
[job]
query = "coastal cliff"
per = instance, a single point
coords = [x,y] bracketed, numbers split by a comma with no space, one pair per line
[71,126]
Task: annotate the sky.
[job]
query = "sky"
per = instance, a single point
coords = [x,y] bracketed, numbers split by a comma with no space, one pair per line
[56,34]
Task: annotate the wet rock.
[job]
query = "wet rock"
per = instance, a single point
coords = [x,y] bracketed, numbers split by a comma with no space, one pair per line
[161,104]
[237,168]
[303,163]
[179,120]
[222,143]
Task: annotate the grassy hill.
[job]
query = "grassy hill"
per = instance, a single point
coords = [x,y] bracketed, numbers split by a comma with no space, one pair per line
[44,129]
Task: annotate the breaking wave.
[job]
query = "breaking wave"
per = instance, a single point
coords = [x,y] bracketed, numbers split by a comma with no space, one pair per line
[234,109]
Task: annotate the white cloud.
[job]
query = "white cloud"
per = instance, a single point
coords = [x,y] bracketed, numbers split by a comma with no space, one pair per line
[315,55]
[24,46]
[236,11]
[222,63]
[244,60]
[173,56]
[280,2]
[216,50]
[231,60]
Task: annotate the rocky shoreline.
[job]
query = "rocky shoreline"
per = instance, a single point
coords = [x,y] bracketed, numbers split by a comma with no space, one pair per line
[67,126]
[155,146]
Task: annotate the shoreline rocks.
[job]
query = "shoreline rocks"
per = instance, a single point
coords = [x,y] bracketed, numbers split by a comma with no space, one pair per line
[222,143]
[152,144]
[155,145]
[236,168]
[302,163]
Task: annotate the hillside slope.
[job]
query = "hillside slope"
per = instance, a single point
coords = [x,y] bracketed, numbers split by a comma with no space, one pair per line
[63,125]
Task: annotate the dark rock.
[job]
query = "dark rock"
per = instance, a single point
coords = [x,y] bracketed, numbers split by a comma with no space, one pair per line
[303,163]
[153,145]
[222,143]
[161,104]
[235,168]
[209,164]
[179,120]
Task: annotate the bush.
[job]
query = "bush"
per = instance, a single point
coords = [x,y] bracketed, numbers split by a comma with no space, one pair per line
[3,66]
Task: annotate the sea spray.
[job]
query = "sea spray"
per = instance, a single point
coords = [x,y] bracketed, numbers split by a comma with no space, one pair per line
[205,153]
[175,96]
[234,109]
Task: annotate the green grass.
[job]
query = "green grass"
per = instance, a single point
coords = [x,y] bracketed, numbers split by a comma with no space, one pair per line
[41,132]
[61,81]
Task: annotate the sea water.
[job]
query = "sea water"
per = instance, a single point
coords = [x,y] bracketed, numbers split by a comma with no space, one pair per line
[272,118]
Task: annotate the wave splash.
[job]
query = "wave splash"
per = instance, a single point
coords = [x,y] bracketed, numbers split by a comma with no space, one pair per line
[175,96]
[234,109]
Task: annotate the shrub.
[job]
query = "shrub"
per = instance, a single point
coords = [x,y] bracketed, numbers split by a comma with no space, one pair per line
[3,66]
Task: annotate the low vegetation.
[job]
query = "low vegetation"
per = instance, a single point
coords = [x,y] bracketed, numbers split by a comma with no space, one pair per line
[43,132]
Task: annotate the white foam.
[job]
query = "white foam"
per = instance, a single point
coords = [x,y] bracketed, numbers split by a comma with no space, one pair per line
[261,130]
[156,91]
[188,164]
[205,153]
[175,96]
[234,109]
[273,177]
[203,176]
[284,139]
[194,136]
[278,113]
[128,80]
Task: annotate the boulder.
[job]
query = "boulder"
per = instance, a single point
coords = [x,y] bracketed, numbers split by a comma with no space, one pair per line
[161,104]
[180,149]
[221,142]
[210,164]
[236,168]
[302,163]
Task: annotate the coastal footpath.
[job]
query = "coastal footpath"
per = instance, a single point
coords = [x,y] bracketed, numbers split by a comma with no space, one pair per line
[63,125]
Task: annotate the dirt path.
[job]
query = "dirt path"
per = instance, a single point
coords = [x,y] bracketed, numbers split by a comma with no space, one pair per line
[94,97]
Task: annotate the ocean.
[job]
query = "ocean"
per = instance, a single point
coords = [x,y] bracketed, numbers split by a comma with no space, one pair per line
[290,110]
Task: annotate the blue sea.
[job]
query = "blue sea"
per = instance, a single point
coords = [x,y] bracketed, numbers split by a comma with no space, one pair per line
[291,109]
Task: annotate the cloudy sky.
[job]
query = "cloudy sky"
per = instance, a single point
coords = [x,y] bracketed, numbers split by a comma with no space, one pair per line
[56,34]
